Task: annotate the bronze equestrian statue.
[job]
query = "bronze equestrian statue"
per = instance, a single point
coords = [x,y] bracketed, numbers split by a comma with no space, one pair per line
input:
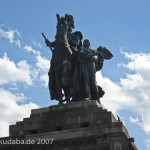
[61,63]
[73,67]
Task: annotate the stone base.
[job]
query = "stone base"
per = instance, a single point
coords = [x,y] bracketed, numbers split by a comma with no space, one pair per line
[84,125]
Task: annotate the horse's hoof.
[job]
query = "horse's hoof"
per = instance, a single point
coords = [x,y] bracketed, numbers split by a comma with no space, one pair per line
[68,102]
[64,100]
[60,103]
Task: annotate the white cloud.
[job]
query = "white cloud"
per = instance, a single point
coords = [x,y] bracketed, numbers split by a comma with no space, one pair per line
[114,97]
[4,128]
[7,34]
[35,43]
[135,121]
[22,71]
[147,143]
[133,92]
[44,79]
[139,63]
[18,42]
[11,35]
[30,49]
[11,111]
[43,65]
[14,37]
[11,72]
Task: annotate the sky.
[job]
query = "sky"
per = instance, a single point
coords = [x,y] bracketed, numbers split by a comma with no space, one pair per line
[121,26]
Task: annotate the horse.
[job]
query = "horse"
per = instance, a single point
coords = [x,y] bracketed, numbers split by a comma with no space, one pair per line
[62,60]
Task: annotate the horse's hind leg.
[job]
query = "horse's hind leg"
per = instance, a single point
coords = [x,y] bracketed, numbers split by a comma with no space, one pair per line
[67,94]
[59,89]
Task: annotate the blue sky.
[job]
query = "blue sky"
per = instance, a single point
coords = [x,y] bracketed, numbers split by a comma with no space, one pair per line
[121,26]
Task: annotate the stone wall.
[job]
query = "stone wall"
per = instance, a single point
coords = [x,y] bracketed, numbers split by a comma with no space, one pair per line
[84,125]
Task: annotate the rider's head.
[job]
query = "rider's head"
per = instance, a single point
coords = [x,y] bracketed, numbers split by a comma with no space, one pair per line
[86,43]
[79,38]
[70,21]
[78,34]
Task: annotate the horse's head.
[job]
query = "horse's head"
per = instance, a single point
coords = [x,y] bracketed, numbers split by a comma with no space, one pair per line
[62,27]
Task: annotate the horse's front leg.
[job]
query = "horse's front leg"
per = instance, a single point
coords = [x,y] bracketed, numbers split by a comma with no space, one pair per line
[66,79]
[59,89]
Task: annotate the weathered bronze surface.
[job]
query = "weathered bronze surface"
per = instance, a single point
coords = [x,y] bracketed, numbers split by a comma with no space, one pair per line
[72,74]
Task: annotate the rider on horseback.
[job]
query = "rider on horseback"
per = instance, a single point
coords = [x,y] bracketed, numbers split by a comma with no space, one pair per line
[74,40]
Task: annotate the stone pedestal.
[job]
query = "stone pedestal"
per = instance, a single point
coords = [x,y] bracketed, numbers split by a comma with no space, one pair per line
[84,125]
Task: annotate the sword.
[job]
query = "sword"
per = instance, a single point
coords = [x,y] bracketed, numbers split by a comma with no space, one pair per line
[48,41]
